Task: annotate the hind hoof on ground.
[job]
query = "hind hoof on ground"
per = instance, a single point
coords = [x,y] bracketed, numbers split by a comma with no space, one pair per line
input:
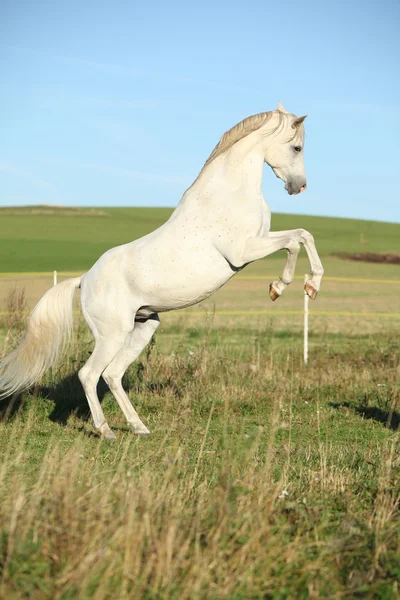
[108,435]
[311,291]
[273,293]
[139,429]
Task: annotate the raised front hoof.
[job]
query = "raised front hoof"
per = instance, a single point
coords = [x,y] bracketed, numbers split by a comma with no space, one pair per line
[138,429]
[311,290]
[273,293]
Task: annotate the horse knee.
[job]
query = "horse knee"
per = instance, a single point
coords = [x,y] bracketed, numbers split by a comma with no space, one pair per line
[293,246]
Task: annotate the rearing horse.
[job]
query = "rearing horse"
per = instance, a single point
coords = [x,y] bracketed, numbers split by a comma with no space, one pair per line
[221,224]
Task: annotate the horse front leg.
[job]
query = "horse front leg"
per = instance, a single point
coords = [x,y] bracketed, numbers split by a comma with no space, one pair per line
[312,285]
[277,288]
[258,247]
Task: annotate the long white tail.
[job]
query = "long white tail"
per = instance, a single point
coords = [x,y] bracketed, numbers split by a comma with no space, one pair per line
[49,331]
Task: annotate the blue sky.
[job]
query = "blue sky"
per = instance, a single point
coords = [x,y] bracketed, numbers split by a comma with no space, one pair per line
[120,103]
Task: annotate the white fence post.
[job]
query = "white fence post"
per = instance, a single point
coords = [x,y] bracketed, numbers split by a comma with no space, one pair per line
[55,278]
[306,299]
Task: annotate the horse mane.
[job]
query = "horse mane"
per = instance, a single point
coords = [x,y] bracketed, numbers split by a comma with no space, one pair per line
[241,130]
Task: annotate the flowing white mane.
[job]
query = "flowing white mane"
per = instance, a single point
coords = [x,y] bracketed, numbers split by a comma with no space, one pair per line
[245,128]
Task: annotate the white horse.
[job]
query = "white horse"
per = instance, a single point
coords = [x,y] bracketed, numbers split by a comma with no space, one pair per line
[221,224]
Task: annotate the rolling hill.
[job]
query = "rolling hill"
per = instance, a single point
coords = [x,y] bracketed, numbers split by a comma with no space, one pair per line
[43,238]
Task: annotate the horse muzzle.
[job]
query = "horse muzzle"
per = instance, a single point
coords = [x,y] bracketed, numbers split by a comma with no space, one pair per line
[294,188]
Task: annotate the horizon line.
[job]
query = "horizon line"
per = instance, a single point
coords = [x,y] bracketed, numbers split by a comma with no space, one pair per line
[104,207]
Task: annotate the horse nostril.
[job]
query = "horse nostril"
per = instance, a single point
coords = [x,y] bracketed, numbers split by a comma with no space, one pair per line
[303,187]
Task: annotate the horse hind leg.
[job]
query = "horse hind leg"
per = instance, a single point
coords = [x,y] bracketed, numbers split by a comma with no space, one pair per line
[105,351]
[135,342]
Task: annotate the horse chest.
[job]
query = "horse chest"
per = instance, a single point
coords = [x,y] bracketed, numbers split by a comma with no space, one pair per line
[236,222]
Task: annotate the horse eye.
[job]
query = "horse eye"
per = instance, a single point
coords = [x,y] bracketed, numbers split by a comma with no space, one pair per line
[297,148]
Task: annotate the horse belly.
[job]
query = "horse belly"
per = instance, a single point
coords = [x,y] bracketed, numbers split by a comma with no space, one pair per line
[181,280]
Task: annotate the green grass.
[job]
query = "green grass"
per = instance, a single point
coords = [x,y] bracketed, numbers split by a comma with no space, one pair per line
[68,241]
[64,239]
[262,478]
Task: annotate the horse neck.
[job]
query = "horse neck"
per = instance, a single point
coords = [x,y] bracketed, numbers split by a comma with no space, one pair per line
[243,168]
[239,169]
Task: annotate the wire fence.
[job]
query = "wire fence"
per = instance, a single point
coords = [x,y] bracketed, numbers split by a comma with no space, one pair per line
[305,311]
[239,276]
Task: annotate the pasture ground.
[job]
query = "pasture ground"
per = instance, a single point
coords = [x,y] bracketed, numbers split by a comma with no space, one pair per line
[263,478]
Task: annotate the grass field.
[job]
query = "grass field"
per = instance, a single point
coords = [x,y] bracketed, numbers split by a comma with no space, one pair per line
[49,238]
[71,240]
[263,478]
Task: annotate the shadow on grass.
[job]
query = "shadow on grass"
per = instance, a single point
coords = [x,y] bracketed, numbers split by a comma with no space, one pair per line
[67,396]
[391,419]
[69,399]
[10,407]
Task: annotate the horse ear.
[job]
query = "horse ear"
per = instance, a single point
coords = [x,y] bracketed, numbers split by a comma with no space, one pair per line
[298,121]
[281,108]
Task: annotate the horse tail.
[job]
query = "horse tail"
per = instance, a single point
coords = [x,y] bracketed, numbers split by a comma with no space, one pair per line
[47,336]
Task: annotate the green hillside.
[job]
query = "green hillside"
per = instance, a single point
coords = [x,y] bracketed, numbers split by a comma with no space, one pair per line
[47,238]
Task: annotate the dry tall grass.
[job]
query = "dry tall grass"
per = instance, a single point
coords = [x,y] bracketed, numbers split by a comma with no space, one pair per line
[14,318]
[262,478]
